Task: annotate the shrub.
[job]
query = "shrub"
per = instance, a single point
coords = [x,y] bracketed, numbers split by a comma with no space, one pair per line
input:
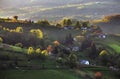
[1,40]
[38,50]
[19,29]
[30,50]
[72,60]
[45,52]
[19,45]
[37,32]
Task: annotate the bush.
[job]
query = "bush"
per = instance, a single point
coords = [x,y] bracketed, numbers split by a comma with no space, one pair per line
[26,39]
[30,50]
[1,40]
[19,45]
[72,60]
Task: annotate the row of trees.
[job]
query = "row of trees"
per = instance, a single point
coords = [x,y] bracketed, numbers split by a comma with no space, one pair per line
[74,23]
[65,22]
[62,23]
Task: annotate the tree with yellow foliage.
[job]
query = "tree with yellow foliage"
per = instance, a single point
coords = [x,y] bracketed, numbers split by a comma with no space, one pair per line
[103,52]
[84,32]
[38,50]
[19,29]
[37,32]
[49,48]
[1,40]
[56,43]
[45,52]
[30,50]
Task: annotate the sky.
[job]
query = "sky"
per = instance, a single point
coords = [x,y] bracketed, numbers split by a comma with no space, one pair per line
[52,9]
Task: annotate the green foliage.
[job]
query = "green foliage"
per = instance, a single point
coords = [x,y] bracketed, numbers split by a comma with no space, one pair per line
[38,50]
[30,50]
[86,24]
[69,22]
[43,22]
[1,40]
[19,45]
[40,74]
[66,22]
[115,47]
[77,24]
[72,60]
[103,52]
[18,49]
[58,25]
[15,17]
[19,29]
[37,32]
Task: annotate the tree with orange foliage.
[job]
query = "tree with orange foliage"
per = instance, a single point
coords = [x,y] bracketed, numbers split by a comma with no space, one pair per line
[49,49]
[56,43]
[98,75]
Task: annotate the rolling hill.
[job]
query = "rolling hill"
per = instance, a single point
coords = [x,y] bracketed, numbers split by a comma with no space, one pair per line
[112,26]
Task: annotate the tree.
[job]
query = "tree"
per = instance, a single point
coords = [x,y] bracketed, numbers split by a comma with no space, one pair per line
[93,54]
[56,43]
[69,22]
[38,50]
[72,60]
[77,24]
[19,45]
[45,52]
[15,17]
[58,25]
[37,32]
[43,22]
[86,24]
[66,22]
[63,22]
[86,44]
[1,40]
[19,29]
[103,52]
[98,75]
[30,50]
[69,39]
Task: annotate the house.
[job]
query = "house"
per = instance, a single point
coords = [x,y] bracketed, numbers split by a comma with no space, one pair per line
[84,62]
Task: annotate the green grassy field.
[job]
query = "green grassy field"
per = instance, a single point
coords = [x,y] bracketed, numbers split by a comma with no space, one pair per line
[115,47]
[40,74]
[112,44]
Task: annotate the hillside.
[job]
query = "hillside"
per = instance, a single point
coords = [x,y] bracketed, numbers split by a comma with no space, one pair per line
[33,69]
[113,24]
[58,53]
[52,32]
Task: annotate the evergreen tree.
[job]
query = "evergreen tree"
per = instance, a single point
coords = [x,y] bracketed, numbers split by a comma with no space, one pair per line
[77,24]
[69,22]
[72,60]
[69,39]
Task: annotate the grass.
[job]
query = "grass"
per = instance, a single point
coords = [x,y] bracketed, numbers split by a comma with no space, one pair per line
[18,49]
[115,47]
[106,72]
[39,74]
[112,44]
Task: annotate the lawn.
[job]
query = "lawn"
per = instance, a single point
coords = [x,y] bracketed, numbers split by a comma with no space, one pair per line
[115,47]
[112,44]
[39,74]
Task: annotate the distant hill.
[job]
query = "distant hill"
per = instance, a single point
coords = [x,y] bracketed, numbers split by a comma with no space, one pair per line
[112,25]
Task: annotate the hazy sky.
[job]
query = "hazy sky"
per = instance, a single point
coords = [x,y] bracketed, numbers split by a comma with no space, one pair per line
[34,9]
